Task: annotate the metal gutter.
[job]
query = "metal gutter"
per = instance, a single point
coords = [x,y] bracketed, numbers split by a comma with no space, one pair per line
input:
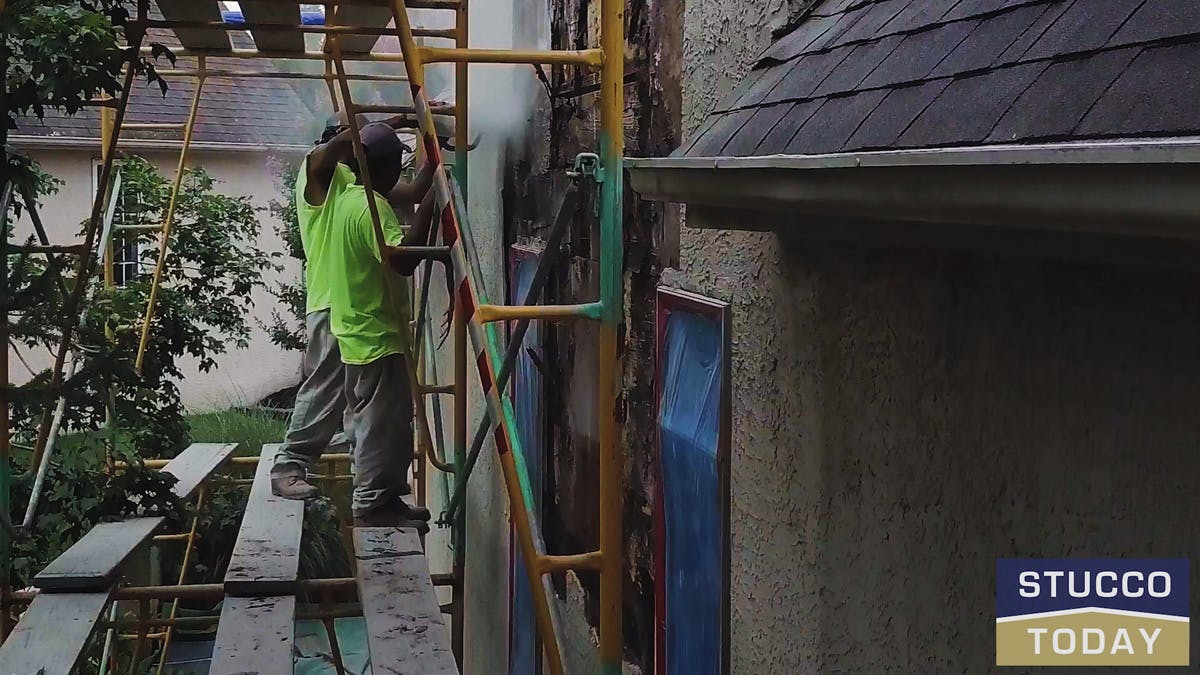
[82,142]
[1145,188]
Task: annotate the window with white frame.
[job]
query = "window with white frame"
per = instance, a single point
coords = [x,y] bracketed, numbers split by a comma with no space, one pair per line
[126,244]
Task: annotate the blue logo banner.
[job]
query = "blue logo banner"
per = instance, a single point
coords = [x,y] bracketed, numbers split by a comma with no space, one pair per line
[1036,585]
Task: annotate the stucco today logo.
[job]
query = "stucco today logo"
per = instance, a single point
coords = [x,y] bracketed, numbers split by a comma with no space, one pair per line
[1092,612]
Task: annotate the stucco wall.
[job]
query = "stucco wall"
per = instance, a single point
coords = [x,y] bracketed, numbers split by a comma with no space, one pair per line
[243,375]
[903,416]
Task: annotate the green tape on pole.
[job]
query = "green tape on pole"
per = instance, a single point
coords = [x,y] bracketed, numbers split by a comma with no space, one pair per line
[611,247]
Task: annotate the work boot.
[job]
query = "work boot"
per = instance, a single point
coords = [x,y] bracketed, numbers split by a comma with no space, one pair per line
[408,511]
[290,481]
[389,517]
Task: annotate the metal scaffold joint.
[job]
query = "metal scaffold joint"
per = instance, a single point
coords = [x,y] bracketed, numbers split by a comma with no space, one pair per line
[587,165]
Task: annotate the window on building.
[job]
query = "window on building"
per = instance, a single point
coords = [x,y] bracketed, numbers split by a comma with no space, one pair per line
[127,245]
[692,515]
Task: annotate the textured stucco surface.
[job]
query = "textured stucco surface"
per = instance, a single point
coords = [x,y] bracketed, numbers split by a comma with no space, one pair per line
[903,416]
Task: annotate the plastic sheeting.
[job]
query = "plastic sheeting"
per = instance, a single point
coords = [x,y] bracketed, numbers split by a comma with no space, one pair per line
[311,652]
[527,404]
[689,416]
[313,655]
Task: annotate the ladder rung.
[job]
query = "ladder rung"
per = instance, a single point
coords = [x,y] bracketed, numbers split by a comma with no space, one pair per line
[553,57]
[489,313]
[443,579]
[141,228]
[401,109]
[431,252]
[436,389]
[547,564]
[152,126]
[396,109]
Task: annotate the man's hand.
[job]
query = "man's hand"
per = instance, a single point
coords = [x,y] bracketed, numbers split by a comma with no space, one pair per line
[408,193]
[419,233]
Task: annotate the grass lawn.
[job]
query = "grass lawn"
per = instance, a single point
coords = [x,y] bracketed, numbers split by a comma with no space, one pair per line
[251,428]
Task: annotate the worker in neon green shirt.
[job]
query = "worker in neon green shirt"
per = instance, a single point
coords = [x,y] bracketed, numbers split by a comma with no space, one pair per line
[357,324]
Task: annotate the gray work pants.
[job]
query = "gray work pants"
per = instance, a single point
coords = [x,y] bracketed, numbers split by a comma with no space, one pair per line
[380,406]
[320,409]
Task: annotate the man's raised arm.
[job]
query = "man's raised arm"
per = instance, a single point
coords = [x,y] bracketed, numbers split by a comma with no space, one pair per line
[323,160]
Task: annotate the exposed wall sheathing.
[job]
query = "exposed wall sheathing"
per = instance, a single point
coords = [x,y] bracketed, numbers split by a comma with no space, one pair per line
[562,125]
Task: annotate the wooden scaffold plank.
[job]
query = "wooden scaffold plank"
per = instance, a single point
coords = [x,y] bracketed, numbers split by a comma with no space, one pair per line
[196,10]
[93,562]
[52,633]
[274,13]
[362,17]
[405,632]
[266,556]
[255,635]
[196,463]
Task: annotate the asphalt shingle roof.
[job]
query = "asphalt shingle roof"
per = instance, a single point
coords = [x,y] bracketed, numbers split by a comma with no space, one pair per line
[260,111]
[892,74]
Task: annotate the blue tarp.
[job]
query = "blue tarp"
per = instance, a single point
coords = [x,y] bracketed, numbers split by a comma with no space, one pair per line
[689,414]
[312,654]
[308,18]
[527,395]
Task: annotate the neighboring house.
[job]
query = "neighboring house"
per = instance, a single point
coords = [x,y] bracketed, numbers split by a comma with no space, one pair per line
[958,243]
[246,130]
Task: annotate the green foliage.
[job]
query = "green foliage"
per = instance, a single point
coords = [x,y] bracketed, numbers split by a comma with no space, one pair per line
[250,428]
[201,312]
[323,554]
[288,331]
[61,53]
[58,54]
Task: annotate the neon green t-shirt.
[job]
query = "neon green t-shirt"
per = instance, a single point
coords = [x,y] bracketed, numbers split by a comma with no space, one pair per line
[368,301]
[316,232]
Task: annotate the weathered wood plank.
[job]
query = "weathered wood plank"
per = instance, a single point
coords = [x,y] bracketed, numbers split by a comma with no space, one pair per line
[196,463]
[193,10]
[93,562]
[266,557]
[405,633]
[254,636]
[277,13]
[356,15]
[52,633]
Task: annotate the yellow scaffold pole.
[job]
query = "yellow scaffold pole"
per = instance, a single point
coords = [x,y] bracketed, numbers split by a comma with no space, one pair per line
[169,218]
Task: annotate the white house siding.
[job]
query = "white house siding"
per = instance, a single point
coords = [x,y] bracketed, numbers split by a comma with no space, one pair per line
[242,375]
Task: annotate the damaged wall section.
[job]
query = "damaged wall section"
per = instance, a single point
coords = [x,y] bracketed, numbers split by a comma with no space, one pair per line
[563,124]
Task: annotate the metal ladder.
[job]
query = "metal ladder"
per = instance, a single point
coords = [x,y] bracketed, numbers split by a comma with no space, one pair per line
[481,317]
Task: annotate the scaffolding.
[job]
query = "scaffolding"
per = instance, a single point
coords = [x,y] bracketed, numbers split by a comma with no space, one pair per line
[350,31]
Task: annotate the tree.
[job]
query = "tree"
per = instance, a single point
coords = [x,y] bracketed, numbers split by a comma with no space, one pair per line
[58,54]
[288,331]
[202,312]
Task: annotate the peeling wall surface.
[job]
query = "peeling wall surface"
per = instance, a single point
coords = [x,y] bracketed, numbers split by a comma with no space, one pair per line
[902,417]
